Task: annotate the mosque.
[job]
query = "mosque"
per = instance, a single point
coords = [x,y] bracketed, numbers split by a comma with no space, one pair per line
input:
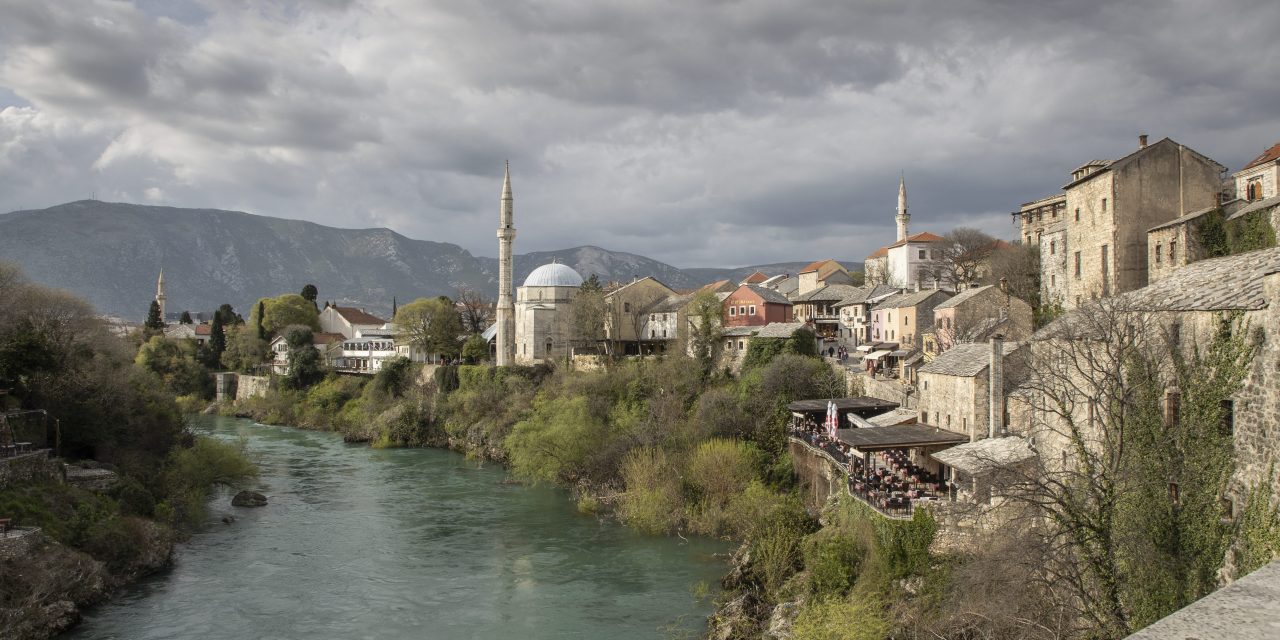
[536,326]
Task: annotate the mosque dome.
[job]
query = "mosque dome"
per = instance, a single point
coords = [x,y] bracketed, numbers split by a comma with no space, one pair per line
[553,275]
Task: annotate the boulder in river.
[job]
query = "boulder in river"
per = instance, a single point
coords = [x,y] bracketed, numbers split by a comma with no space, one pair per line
[248,498]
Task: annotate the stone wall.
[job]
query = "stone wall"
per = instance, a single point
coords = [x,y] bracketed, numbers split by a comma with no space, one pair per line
[892,390]
[955,403]
[820,477]
[37,466]
[20,543]
[252,387]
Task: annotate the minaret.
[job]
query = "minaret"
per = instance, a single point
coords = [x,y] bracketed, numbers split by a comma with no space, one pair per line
[160,294]
[506,308]
[903,217]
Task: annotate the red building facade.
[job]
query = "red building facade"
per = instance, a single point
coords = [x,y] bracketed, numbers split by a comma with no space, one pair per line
[752,306]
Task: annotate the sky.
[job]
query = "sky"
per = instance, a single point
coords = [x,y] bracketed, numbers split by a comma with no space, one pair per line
[699,133]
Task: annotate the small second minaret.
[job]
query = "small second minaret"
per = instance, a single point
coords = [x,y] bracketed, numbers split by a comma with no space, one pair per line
[160,294]
[506,344]
[903,217]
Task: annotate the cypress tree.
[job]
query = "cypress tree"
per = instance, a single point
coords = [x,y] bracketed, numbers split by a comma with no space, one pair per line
[262,310]
[154,321]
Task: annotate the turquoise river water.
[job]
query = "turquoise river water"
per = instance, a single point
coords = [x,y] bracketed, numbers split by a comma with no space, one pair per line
[408,543]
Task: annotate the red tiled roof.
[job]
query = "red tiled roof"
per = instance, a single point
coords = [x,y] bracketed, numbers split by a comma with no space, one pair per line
[814,266]
[1267,156]
[880,253]
[357,316]
[714,286]
[204,330]
[756,278]
[319,337]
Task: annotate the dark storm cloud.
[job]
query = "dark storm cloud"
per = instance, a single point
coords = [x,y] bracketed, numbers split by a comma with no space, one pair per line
[680,130]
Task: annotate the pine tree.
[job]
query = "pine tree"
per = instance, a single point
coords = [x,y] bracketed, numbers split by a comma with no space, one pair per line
[185,318]
[310,293]
[154,321]
[217,342]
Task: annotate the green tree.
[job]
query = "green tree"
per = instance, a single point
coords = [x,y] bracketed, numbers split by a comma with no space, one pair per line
[703,330]
[228,315]
[274,314]
[310,293]
[176,363]
[431,324]
[217,343]
[475,349]
[257,320]
[244,350]
[185,318]
[305,368]
[154,321]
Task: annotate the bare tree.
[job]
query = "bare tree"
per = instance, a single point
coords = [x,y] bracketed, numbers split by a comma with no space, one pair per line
[1018,267]
[963,255]
[587,315]
[476,310]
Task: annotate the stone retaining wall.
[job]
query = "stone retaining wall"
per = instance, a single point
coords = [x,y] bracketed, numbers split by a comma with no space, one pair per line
[890,390]
[19,543]
[252,387]
[820,477]
[37,466]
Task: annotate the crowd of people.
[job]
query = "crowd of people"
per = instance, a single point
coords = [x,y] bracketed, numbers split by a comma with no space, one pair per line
[891,483]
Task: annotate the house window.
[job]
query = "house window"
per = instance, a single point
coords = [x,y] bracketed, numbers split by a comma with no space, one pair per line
[923,253]
[1104,205]
[1053,247]
[1077,214]
[906,320]
[626,307]
[751,310]
[1253,190]
[1053,280]
[1106,270]
[741,345]
[742,310]
[926,385]
[1173,250]
[1158,254]
[653,317]
[1077,265]
[733,311]
[1028,238]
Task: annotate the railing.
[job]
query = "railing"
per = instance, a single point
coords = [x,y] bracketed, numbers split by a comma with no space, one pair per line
[895,510]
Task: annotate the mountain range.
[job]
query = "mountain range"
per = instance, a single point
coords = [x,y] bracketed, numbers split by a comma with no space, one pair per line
[111,253]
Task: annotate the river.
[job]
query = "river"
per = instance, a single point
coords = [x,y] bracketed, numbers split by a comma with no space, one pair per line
[408,543]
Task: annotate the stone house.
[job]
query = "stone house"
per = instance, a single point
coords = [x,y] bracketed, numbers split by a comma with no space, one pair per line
[820,274]
[754,306]
[1110,205]
[347,320]
[1044,225]
[367,351]
[665,320]
[905,317]
[198,333]
[977,313]
[819,308]
[954,388]
[1256,203]
[328,344]
[737,340]
[855,312]
[627,312]
[1185,310]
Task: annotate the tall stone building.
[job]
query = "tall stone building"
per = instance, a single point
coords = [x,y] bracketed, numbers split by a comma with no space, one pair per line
[1101,235]
[160,294]
[506,347]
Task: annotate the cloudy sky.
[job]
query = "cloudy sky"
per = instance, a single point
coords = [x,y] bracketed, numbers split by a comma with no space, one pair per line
[701,133]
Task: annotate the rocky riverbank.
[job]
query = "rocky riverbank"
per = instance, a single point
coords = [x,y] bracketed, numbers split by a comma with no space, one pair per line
[47,584]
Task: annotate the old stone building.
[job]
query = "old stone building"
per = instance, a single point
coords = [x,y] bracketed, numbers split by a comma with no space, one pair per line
[543,305]
[976,314]
[1184,310]
[819,308]
[1246,219]
[628,308]
[820,274]
[1109,206]
[905,317]
[855,312]
[955,388]
[1044,225]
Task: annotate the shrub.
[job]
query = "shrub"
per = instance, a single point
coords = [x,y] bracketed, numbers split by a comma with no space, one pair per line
[858,618]
[652,502]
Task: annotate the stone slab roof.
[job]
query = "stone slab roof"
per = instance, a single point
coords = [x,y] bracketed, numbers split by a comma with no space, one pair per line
[966,359]
[738,332]
[831,292]
[863,294]
[986,455]
[1218,284]
[1246,608]
[769,295]
[1256,205]
[909,299]
[779,329]
[897,416]
[962,297]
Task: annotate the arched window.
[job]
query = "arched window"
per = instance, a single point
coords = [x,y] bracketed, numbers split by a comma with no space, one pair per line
[548,351]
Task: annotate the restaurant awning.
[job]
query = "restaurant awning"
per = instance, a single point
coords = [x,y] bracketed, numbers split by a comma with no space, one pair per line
[861,405]
[876,355]
[901,353]
[900,436]
[864,347]
[986,455]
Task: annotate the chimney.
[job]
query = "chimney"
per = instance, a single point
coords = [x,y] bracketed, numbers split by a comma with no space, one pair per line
[1142,141]
[995,387]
